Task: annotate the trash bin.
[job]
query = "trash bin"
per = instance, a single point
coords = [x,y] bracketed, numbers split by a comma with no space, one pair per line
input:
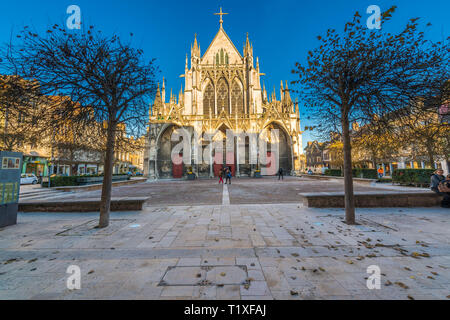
[10,168]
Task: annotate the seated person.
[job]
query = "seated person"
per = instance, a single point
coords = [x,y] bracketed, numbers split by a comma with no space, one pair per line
[439,185]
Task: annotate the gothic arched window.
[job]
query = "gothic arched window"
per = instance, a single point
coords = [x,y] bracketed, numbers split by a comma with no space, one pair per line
[221,56]
[222,96]
[208,100]
[237,99]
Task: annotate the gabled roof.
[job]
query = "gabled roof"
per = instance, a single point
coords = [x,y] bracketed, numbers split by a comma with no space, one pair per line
[221,32]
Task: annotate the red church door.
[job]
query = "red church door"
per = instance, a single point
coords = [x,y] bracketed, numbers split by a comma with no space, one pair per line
[177,166]
[231,162]
[271,168]
[218,163]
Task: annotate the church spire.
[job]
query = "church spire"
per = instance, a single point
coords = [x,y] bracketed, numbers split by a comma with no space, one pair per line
[157,103]
[264,92]
[247,48]
[195,49]
[181,96]
[163,93]
[287,96]
[281,91]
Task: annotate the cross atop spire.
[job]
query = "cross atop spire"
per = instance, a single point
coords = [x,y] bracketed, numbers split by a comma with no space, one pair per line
[221,14]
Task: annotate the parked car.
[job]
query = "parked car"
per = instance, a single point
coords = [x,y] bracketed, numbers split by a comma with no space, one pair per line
[28,178]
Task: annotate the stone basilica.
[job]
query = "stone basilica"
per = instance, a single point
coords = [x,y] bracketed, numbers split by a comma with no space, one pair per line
[222,92]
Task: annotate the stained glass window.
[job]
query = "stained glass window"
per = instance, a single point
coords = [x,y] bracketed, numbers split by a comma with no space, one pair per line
[222,96]
[237,99]
[208,100]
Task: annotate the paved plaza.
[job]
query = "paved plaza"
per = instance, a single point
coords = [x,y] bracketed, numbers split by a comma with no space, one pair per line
[250,240]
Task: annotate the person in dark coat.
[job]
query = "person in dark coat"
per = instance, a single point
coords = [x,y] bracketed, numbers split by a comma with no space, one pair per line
[228,176]
[280,174]
[438,179]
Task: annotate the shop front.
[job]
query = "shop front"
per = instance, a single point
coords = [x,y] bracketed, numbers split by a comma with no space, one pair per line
[36,165]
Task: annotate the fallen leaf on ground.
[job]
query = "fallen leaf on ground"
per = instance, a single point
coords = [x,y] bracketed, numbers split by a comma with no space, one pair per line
[402,285]
[10,261]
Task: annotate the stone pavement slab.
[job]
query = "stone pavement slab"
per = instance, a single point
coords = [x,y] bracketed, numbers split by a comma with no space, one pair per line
[287,250]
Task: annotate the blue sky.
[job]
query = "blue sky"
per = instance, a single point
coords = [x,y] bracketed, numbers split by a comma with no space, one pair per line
[282,31]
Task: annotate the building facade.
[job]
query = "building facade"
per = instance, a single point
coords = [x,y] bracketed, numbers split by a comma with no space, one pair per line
[316,157]
[222,93]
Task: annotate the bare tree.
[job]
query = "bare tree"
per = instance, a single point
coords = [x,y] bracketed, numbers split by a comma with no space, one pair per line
[19,112]
[108,82]
[353,76]
[425,133]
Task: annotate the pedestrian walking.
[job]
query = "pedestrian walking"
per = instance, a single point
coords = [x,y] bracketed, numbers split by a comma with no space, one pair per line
[380,172]
[280,174]
[221,176]
[228,176]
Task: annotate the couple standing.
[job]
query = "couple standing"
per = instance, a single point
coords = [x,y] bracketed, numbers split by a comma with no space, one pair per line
[225,172]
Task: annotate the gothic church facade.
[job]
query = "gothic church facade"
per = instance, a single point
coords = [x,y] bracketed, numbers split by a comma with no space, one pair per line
[222,92]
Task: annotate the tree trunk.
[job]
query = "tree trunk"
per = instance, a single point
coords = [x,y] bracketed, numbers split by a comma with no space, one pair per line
[374,161]
[105,203]
[348,174]
[431,158]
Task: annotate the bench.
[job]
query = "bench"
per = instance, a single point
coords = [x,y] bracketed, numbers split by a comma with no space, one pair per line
[372,199]
[117,204]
